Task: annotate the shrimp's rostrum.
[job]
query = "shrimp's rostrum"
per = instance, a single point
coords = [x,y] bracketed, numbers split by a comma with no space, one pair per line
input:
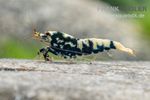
[60,43]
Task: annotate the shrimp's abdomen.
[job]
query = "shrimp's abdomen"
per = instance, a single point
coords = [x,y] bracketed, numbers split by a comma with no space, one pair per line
[94,45]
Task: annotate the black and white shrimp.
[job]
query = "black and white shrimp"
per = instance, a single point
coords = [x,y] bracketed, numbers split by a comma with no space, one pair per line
[60,43]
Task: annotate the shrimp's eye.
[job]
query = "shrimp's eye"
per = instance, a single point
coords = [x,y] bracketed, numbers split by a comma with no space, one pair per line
[47,33]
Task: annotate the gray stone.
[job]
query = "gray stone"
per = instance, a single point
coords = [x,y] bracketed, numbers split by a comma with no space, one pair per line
[39,80]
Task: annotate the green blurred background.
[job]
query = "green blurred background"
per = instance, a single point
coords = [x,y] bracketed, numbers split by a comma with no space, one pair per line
[81,18]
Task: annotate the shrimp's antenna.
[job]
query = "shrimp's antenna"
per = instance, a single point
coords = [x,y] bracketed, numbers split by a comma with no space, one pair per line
[33,30]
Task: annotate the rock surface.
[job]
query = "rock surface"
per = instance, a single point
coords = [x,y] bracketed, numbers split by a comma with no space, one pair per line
[39,80]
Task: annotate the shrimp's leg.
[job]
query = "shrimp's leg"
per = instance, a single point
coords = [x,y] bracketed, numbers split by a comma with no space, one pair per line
[45,51]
